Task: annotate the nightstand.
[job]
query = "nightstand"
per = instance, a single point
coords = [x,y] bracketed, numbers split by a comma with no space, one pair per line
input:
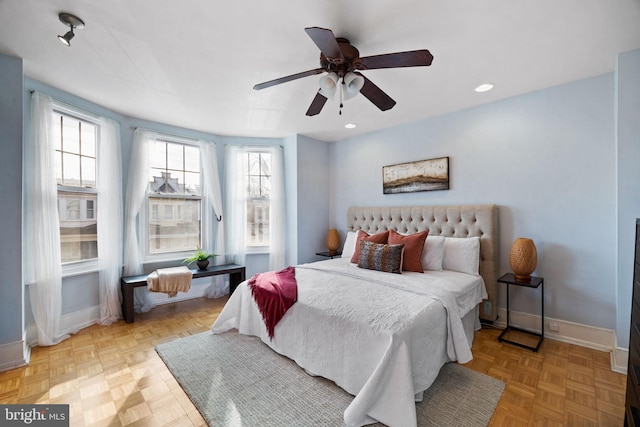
[535,282]
[329,254]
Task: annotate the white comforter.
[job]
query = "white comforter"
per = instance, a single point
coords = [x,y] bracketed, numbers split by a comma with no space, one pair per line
[381,337]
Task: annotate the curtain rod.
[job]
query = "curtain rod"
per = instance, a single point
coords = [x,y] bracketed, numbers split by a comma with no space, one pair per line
[255,145]
[70,106]
[171,135]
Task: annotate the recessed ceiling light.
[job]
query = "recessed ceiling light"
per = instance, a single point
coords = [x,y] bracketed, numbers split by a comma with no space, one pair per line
[484,87]
[350,125]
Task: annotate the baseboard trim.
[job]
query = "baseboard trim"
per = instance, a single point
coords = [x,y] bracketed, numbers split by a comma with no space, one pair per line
[572,333]
[619,360]
[13,355]
[72,322]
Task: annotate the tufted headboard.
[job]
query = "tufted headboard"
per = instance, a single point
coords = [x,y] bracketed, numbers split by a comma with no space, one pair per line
[449,221]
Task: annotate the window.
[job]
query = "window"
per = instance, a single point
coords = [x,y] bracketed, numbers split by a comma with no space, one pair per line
[174,198]
[168,211]
[75,157]
[90,213]
[73,209]
[258,191]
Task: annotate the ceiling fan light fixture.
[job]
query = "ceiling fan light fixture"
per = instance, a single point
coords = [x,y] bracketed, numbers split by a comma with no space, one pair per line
[71,21]
[338,54]
[485,87]
[328,85]
[353,83]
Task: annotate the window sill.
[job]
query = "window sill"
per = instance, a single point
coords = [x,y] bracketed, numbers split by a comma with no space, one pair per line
[167,257]
[79,268]
[258,250]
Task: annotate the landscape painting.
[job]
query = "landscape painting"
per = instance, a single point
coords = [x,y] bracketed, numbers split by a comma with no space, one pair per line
[423,175]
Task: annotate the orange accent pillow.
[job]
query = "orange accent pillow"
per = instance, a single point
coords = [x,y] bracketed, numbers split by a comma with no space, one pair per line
[375,238]
[413,246]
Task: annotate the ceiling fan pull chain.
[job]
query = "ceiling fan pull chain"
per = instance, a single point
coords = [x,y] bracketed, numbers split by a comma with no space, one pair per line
[340,112]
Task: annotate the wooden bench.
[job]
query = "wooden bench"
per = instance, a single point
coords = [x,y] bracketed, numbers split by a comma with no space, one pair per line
[127,284]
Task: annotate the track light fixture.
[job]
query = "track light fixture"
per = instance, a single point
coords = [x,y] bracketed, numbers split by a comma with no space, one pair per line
[66,39]
[71,21]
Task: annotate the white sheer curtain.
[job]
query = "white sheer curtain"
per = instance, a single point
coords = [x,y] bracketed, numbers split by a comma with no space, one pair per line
[236,203]
[110,244]
[236,185]
[212,218]
[277,215]
[137,181]
[43,262]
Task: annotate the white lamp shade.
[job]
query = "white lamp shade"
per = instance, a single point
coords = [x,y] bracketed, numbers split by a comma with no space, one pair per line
[328,85]
[353,83]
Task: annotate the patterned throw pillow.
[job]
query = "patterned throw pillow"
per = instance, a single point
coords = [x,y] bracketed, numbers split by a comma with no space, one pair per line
[381,257]
[375,238]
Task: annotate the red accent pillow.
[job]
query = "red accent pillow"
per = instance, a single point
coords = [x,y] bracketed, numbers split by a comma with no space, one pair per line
[376,238]
[413,246]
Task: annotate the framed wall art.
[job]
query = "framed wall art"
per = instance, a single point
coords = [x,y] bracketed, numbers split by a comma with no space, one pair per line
[422,175]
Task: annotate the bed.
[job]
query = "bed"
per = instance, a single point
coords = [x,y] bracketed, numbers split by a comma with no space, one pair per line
[383,337]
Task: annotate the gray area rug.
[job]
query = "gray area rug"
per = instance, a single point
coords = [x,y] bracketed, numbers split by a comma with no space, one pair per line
[236,380]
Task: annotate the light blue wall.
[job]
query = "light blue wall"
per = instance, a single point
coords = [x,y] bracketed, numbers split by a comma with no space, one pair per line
[547,159]
[291,190]
[628,191]
[313,198]
[307,193]
[11,112]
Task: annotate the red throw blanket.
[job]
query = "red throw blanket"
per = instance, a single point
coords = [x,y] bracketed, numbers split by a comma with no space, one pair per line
[274,292]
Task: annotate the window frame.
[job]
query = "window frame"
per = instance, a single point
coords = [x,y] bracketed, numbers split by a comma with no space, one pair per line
[256,249]
[79,267]
[143,222]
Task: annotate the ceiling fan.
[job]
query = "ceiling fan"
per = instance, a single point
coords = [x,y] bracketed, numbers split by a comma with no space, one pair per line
[342,63]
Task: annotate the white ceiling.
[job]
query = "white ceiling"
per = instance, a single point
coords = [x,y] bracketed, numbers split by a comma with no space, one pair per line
[193,63]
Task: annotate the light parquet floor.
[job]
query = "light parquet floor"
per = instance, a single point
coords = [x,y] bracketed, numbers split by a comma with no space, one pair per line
[112,376]
[560,385]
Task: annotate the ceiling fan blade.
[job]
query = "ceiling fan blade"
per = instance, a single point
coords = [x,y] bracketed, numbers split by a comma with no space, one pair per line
[376,95]
[326,42]
[413,58]
[288,78]
[316,104]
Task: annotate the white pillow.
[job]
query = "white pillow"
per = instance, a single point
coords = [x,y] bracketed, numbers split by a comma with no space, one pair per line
[432,253]
[349,246]
[462,254]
